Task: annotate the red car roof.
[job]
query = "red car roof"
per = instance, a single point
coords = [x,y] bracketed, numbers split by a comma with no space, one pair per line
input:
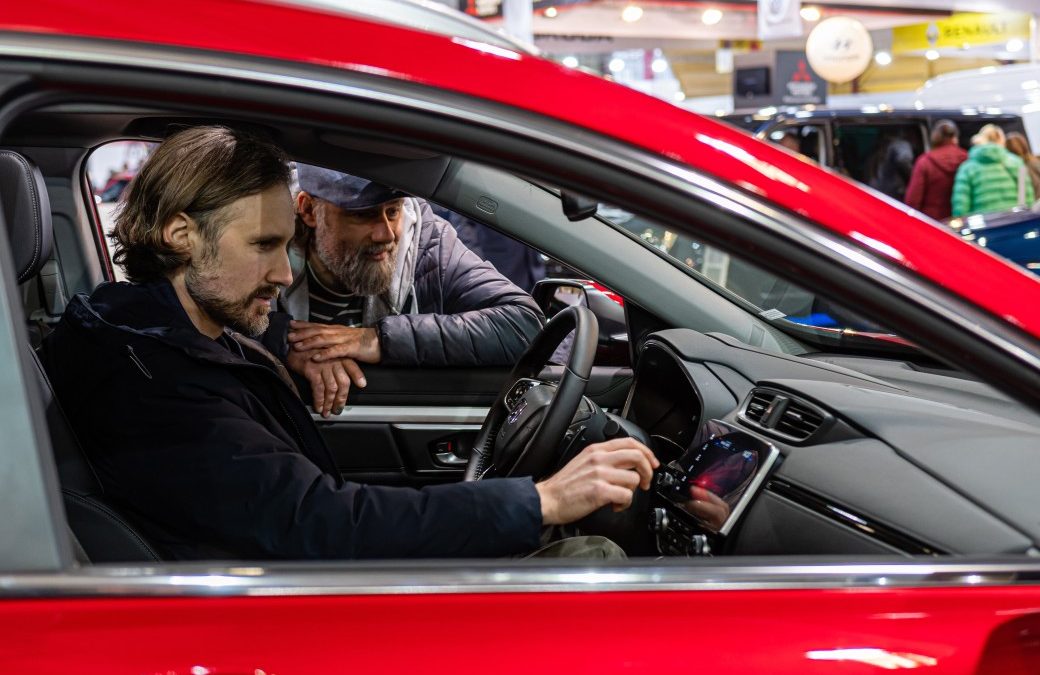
[305,35]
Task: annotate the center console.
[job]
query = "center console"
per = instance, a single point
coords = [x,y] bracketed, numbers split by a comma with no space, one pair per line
[699,498]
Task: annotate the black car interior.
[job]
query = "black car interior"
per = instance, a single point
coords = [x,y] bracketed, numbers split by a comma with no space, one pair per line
[100,533]
[807,452]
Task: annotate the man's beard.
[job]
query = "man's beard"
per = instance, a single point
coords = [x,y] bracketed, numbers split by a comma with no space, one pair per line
[202,281]
[354,270]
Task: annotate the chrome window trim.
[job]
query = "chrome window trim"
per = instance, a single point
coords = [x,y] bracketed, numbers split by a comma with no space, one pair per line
[437,427]
[489,577]
[680,178]
[412,416]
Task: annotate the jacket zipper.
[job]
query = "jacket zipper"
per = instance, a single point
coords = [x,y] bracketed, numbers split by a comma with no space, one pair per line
[296,429]
[137,362]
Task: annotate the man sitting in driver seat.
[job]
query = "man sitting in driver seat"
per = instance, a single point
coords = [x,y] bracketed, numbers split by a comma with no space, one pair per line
[197,431]
[379,278]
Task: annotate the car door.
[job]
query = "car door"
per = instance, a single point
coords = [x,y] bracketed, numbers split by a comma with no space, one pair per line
[60,616]
[775,615]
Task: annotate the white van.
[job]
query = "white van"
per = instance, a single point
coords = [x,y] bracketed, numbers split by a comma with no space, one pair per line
[1014,88]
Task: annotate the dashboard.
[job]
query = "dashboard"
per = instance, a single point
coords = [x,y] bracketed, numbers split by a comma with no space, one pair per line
[771,454]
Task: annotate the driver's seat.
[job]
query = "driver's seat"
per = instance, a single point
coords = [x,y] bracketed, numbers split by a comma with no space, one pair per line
[102,533]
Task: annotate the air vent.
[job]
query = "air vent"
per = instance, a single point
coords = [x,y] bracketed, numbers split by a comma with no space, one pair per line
[778,413]
[758,405]
[799,420]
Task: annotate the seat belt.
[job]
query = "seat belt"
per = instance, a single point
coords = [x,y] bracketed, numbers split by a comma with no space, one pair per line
[52,298]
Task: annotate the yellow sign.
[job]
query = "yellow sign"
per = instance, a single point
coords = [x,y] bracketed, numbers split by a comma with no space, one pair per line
[960,30]
[741,45]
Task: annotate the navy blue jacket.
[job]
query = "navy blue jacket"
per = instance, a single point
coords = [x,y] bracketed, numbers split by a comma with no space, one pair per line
[514,259]
[209,446]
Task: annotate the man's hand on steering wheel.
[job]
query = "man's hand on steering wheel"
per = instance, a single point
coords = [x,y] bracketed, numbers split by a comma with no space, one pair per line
[601,474]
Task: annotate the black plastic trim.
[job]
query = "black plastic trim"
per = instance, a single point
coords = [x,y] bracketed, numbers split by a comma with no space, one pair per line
[855,521]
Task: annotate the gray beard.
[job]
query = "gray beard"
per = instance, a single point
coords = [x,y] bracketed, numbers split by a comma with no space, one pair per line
[357,274]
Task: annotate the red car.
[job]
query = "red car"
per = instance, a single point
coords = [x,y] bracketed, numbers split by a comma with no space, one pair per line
[879,506]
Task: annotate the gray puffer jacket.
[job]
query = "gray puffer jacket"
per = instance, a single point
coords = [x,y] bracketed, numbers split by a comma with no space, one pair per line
[460,311]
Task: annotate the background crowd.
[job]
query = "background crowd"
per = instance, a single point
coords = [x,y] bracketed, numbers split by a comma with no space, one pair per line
[998,173]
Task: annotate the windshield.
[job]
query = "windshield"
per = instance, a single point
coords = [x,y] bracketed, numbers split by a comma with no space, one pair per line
[787,306]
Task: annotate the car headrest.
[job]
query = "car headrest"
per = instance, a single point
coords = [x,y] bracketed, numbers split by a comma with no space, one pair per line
[26,212]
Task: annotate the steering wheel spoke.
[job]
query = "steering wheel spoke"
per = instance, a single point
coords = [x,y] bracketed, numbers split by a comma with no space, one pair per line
[523,434]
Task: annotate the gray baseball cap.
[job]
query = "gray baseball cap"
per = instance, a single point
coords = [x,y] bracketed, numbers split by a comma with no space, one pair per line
[345,191]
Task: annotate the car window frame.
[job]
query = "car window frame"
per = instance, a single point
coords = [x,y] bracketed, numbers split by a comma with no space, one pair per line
[664,191]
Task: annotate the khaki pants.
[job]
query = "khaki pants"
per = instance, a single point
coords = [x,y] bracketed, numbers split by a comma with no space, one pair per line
[590,547]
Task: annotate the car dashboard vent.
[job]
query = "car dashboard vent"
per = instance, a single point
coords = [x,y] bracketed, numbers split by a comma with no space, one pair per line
[782,415]
[758,404]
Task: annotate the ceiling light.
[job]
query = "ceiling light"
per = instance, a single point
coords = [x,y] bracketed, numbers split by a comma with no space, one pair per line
[551,12]
[659,65]
[632,13]
[679,97]
[711,16]
[810,13]
[616,65]
[931,54]
[883,58]
[570,61]
[1015,45]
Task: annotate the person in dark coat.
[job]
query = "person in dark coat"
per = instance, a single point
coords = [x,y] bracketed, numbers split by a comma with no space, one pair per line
[931,183]
[197,431]
[517,261]
[893,172]
[379,278]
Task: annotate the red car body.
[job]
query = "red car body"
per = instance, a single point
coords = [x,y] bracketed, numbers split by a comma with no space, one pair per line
[492,73]
[948,631]
[811,619]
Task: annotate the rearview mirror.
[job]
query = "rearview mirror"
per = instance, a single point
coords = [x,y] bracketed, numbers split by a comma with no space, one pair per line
[577,207]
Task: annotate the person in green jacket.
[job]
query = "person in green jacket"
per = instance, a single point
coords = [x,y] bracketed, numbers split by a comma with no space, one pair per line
[991,179]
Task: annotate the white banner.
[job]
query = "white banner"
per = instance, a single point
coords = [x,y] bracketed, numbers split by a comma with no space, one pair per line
[779,19]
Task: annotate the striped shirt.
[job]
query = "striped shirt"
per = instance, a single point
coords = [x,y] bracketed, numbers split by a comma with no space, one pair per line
[329,306]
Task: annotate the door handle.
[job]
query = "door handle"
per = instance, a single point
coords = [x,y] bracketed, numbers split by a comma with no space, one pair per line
[449,458]
[444,453]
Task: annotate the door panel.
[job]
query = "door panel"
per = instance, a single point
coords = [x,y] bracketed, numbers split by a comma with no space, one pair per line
[392,431]
[468,387]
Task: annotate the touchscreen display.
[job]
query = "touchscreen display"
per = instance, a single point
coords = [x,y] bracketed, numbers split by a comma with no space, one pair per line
[722,465]
[719,473]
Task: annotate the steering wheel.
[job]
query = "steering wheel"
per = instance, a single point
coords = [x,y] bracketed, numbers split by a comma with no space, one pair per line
[524,431]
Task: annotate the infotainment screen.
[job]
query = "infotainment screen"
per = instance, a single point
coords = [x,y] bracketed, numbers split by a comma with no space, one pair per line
[724,467]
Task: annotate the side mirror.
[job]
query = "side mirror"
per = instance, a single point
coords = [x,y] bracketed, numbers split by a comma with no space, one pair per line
[555,295]
[577,207]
